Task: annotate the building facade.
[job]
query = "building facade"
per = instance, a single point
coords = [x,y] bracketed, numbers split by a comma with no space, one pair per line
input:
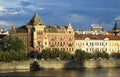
[37,36]
[91,43]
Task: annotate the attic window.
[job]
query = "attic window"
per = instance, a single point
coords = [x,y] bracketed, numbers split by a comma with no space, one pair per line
[70,32]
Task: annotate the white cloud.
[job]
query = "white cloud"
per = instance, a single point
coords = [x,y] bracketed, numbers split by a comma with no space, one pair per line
[117,18]
[7,11]
[75,18]
[2,8]
[4,23]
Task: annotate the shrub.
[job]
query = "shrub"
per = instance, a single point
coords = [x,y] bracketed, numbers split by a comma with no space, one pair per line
[34,66]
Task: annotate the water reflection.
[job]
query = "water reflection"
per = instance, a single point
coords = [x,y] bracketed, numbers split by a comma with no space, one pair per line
[107,72]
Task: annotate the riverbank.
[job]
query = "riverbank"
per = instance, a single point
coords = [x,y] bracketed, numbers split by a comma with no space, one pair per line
[54,64]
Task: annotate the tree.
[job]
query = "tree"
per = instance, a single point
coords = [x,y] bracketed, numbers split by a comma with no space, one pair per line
[55,53]
[64,55]
[13,48]
[82,55]
[115,55]
[12,42]
[98,54]
[45,53]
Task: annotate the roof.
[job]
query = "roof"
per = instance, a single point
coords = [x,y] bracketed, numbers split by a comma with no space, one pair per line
[97,37]
[36,20]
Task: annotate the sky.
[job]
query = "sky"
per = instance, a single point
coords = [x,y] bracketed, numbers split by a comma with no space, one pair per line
[80,13]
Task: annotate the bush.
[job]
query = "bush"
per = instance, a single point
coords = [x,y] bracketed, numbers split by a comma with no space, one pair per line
[34,66]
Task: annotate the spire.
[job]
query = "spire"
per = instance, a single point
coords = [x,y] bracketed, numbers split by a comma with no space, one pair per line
[116,26]
[35,20]
[12,30]
[116,30]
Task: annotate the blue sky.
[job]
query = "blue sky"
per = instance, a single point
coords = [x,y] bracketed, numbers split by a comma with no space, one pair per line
[80,13]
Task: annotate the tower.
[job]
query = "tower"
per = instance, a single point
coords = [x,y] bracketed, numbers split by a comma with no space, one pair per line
[115,28]
[12,30]
[36,31]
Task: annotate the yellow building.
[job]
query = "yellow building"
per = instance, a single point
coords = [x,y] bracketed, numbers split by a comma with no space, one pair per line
[91,43]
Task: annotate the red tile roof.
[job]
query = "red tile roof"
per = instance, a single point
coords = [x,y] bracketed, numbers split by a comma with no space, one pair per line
[97,37]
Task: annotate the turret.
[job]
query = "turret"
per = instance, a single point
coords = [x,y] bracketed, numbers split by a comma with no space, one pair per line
[12,30]
[115,28]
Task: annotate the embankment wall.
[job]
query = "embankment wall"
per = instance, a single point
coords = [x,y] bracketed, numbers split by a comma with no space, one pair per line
[25,65]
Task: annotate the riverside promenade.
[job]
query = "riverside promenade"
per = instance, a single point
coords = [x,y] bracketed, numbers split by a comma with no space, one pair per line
[54,64]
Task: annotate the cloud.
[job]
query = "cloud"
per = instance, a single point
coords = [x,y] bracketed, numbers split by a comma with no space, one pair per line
[2,8]
[25,3]
[35,8]
[76,18]
[4,24]
[11,11]
[117,18]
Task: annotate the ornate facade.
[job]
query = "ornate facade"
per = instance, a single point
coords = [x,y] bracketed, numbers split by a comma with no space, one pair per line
[37,36]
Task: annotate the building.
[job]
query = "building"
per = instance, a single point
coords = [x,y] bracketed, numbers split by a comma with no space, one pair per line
[4,32]
[95,29]
[91,43]
[37,36]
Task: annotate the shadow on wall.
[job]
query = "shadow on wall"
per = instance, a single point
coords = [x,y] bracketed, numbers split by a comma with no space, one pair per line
[78,64]
[83,64]
[74,65]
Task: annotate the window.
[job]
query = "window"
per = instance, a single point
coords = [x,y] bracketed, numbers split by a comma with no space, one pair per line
[45,43]
[86,43]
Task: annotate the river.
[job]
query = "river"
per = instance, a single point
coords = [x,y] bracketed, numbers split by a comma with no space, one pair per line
[103,72]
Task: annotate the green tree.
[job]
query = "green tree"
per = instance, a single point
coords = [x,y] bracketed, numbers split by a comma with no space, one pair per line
[13,48]
[115,55]
[45,53]
[82,55]
[98,54]
[12,42]
[55,53]
[64,55]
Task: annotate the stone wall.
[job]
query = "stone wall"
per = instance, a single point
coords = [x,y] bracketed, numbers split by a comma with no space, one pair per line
[25,65]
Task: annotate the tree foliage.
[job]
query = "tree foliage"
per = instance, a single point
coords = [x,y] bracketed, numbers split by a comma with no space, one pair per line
[12,42]
[34,66]
[82,55]
[13,48]
[55,53]
[115,55]
[98,54]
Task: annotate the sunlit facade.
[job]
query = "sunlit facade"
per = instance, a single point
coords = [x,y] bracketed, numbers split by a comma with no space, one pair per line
[91,43]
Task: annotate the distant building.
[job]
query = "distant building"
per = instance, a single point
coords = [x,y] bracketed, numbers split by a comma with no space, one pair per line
[4,32]
[95,30]
[37,36]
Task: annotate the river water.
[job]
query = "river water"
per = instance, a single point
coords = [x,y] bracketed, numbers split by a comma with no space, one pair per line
[106,72]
